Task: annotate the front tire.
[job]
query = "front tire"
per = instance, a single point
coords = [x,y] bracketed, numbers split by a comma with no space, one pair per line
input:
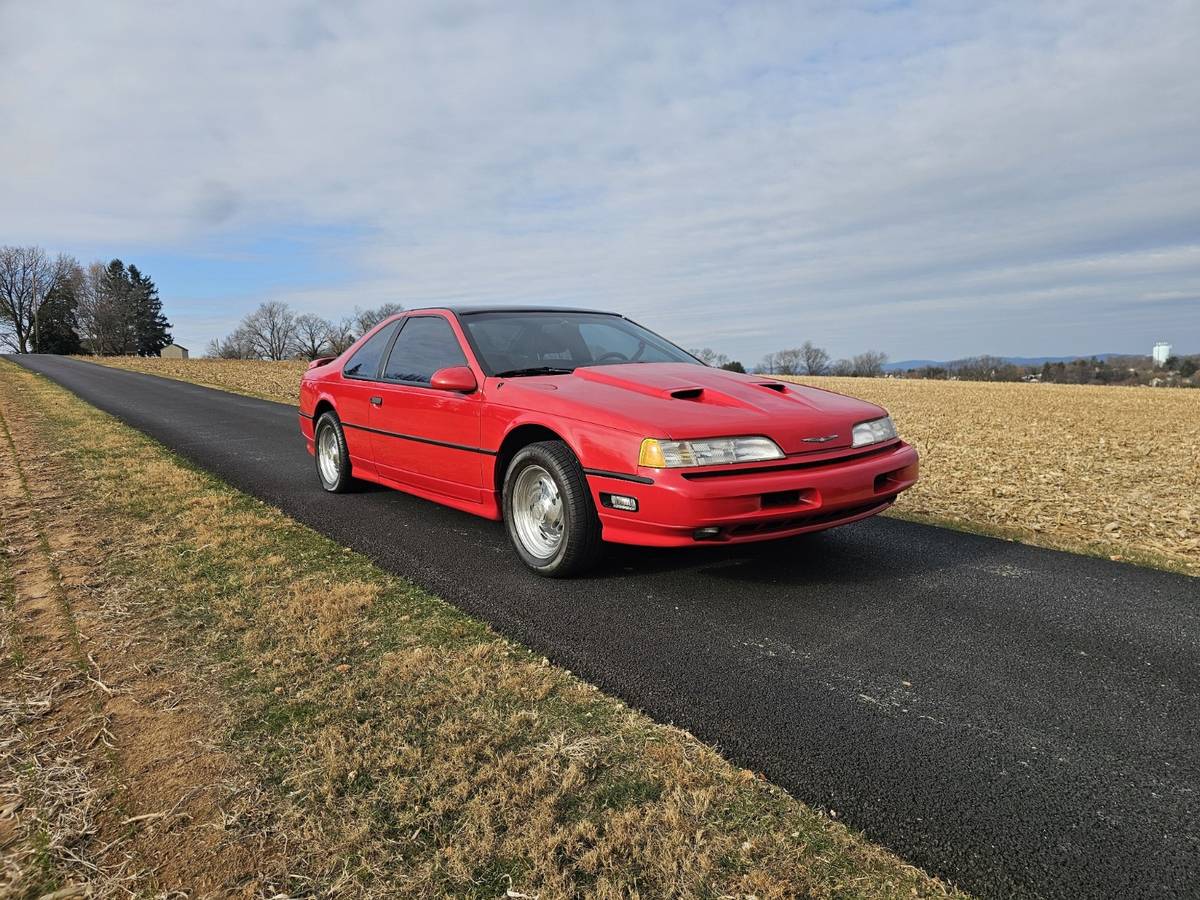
[548,511]
[333,459]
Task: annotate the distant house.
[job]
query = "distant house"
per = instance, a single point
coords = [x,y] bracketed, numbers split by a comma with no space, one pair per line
[174,351]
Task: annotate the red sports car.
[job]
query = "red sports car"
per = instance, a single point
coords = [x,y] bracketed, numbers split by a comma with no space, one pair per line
[577,427]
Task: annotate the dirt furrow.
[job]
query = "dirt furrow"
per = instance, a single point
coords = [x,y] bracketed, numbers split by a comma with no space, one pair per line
[111,781]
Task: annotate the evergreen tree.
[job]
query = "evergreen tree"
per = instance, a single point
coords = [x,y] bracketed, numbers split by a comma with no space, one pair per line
[117,332]
[151,329]
[56,321]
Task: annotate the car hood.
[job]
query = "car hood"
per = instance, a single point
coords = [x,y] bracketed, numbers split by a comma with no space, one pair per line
[680,401]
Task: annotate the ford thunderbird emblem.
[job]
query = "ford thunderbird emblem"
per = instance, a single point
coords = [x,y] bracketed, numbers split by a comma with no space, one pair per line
[819,440]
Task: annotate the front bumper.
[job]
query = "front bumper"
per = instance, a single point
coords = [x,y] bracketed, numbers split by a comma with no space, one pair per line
[755,503]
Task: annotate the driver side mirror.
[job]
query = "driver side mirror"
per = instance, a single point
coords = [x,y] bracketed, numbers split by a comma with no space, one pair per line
[454,378]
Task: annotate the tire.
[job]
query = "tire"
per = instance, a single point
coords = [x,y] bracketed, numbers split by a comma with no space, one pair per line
[548,511]
[333,467]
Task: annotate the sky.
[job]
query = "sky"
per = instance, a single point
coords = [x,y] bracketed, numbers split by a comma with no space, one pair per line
[933,180]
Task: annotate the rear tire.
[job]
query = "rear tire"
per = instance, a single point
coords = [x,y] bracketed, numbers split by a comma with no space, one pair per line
[333,458]
[548,511]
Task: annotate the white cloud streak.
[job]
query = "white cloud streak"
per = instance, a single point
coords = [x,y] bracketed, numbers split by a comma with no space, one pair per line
[931,180]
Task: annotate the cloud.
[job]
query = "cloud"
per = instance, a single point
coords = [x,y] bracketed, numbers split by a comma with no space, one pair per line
[931,180]
[216,202]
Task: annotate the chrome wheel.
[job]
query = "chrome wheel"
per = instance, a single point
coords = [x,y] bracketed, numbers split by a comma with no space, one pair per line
[537,512]
[329,455]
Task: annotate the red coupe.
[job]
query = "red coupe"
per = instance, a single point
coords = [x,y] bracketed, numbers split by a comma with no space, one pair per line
[578,427]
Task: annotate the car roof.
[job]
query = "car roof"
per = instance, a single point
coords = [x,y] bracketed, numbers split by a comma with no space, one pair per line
[460,310]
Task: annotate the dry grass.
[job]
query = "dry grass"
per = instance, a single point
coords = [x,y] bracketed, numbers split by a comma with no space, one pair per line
[1109,471]
[278,381]
[110,784]
[407,750]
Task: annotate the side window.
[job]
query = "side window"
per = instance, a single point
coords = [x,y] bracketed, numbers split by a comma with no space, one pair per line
[425,344]
[365,361]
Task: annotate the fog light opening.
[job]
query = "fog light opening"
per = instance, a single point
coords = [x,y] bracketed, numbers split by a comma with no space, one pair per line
[619,501]
[709,533]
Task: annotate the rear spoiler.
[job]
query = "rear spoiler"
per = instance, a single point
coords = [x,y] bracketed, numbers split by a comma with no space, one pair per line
[321,361]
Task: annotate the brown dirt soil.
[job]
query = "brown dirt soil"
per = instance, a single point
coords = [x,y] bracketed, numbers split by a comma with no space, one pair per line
[109,776]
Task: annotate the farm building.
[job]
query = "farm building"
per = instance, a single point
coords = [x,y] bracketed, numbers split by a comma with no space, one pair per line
[174,351]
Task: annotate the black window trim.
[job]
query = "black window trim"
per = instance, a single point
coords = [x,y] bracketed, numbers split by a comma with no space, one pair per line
[383,379]
[386,352]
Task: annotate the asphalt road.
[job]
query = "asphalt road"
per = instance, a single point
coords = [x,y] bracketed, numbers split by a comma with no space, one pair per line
[1021,721]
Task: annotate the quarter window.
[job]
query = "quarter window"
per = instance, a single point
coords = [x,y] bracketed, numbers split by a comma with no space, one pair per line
[425,344]
[366,359]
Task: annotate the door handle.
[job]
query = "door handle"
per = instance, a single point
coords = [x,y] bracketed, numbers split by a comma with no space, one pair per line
[377,401]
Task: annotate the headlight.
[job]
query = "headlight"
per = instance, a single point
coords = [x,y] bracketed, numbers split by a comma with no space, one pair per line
[708,452]
[874,431]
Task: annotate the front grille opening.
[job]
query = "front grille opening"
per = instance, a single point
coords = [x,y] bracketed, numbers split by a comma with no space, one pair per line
[803,521]
[890,481]
[780,498]
[787,498]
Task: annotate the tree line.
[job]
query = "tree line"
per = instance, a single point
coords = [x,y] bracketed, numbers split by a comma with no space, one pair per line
[276,331]
[807,359]
[1115,370]
[56,305]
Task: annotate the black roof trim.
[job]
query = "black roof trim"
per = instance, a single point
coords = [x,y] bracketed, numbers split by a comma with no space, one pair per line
[471,310]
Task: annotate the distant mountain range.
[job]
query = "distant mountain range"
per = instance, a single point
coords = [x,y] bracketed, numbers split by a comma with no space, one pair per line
[905,364]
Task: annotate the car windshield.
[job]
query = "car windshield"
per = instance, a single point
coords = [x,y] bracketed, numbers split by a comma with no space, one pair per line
[552,343]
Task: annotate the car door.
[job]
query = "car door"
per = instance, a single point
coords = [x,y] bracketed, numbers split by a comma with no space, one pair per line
[422,436]
[360,378]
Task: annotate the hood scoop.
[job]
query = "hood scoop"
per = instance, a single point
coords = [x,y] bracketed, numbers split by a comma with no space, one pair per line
[634,378]
[694,384]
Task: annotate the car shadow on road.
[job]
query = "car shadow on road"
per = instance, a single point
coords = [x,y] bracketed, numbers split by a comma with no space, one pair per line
[873,550]
[853,554]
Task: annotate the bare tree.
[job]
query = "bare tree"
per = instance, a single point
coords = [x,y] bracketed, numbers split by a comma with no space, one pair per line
[312,335]
[98,315]
[107,309]
[271,330]
[366,319]
[869,364]
[842,367]
[236,346]
[814,359]
[341,335]
[710,357]
[27,277]
[788,362]
[782,362]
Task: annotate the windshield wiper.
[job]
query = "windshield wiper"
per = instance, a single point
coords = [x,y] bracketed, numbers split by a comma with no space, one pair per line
[534,370]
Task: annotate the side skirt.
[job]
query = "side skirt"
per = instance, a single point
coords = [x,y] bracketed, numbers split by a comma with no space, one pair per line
[486,508]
